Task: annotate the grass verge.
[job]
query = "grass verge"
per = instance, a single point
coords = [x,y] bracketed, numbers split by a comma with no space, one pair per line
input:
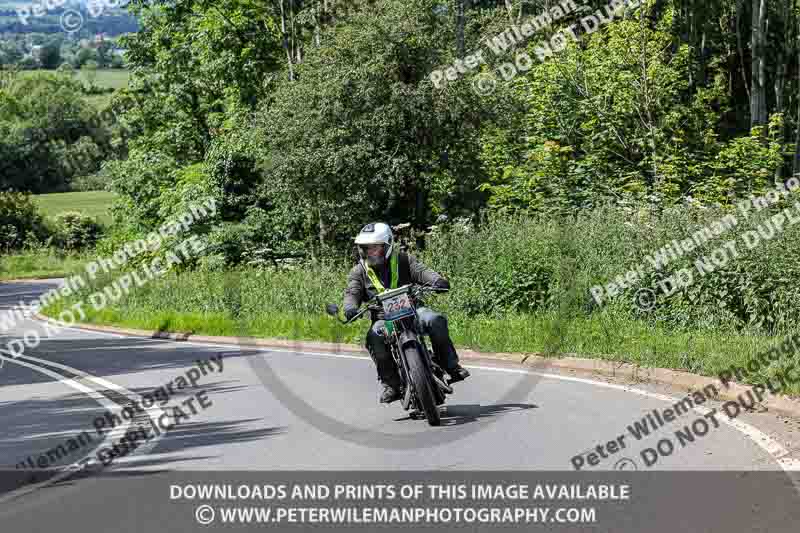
[244,304]
[43,263]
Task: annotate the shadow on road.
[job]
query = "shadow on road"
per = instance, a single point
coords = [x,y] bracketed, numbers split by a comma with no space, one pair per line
[34,426]
[456,415]
[112,356]
[176,442]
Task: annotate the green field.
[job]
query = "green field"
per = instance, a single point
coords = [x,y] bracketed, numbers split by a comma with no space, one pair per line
[50,262]
[112,78]
[92,203]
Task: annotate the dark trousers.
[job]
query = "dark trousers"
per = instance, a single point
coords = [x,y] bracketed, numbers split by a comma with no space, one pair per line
[433,324]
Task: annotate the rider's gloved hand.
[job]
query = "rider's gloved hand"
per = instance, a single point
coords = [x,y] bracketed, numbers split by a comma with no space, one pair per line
[350,313]
[441,284]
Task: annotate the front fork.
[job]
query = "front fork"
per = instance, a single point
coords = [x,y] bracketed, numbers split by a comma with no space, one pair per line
[440,386]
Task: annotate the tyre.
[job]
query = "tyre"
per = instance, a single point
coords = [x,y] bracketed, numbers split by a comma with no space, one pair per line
[420,380]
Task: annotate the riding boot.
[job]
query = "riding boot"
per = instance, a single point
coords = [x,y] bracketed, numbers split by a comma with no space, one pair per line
[382,357]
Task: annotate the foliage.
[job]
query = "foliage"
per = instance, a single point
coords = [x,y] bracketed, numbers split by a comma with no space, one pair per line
[114,21]
[48,134]
[617,117]
[41,261]
[90,72]
[20,221]
[344,125]
[304,124]
[76,231]
[289,303]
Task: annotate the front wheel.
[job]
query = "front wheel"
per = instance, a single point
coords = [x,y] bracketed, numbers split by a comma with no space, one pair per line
[420,380]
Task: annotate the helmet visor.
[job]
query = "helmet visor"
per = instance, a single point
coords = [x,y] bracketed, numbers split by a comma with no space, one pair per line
[373,254]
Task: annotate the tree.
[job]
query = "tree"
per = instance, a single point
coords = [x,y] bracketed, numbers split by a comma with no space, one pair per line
[105,51]
[362,133]
[84,55]
[50,56]
[90,72]
[44,123]
[758,90]
[66,69]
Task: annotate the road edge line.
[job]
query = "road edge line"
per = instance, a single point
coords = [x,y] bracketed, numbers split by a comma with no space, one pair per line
[782,404]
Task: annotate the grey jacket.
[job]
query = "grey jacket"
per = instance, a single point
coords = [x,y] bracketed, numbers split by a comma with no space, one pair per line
[410,270]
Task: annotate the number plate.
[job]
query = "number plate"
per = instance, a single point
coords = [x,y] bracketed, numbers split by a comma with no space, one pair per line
[397,307]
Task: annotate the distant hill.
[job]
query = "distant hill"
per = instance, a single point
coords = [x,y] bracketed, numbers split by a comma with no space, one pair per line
[112,21]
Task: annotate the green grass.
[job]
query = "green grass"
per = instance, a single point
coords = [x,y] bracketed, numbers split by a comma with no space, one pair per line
[289,305]
[111,78]
[92,203]
[520,286]
[99,101]
[42,263]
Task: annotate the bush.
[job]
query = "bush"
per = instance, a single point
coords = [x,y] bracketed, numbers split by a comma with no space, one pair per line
[550,265]
[20,220]
[75,231]
[535,267]
[98,181]
[507,265]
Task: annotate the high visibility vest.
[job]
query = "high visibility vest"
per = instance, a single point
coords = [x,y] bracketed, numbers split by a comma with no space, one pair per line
[393,266]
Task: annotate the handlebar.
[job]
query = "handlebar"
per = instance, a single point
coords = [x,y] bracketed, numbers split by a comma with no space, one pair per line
[373,305]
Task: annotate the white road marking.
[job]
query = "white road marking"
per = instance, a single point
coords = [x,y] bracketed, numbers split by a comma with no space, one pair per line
[19,293]
[773,448]
[777,451]
[80,463]
[111,406]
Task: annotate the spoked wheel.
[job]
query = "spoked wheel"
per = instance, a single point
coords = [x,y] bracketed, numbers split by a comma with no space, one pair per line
[422,385]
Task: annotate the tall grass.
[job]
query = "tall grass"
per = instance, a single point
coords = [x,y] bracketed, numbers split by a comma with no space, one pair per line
[520,286]
[40,263]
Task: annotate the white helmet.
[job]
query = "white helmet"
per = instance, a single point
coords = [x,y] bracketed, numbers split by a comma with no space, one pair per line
[375,233]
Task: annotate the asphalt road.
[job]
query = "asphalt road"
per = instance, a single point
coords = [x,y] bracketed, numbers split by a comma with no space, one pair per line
[280,410]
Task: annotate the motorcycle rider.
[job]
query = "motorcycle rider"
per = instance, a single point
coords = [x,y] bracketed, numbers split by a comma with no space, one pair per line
[382,265]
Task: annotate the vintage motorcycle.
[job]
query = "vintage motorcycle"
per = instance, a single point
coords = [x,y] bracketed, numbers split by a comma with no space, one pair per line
[423,385]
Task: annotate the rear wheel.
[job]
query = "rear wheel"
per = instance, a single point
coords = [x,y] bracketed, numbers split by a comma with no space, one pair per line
[420,380]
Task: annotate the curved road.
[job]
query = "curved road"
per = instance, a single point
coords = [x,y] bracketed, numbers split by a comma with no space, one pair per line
[280,410]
